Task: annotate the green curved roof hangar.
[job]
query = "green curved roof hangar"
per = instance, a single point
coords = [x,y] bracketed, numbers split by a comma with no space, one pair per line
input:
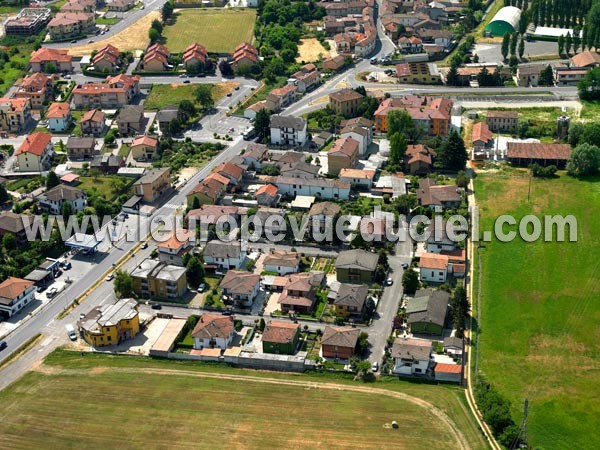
[505,21]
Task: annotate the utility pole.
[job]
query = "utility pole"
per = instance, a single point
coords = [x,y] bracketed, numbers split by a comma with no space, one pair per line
[529,188]
[522,436]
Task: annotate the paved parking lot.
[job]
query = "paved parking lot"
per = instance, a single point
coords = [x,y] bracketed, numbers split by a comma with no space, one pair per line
[492,53]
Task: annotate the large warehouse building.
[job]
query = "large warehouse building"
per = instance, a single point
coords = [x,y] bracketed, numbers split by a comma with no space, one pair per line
[505,21]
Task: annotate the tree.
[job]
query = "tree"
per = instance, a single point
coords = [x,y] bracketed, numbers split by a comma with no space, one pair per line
[452,77]
[154,35]
[568,43]
[167,11]
[123,284]
[401,122]
[505,45]
[52,180]
[462,180]
[513,43]
[363,341]
[561,44]
[367,107]
[50,68]
[203,95]
[174,126]
[585,160]
[186,110]
[369,307]
[9,241]
[195,271]
[262,124]
[453,153]
[66,210]
[157,25]
[397,148]
[521,48]
[547,76]
[410,281]
[460,309]
[4,196]
[261,324]
[589,87]
[225,69]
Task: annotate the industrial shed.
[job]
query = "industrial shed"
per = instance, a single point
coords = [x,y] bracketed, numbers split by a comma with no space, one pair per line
[505,21]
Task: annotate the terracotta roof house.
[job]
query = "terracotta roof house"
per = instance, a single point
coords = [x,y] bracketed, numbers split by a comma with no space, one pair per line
[35,153]
[93,123]
[116,92]
[71,24]
[430,113]
[244,54]
[334,64]
[436,268]
[156,58]
[174,249]
[59,117]
[280,337]
[299,293]
[356,266]
[209,190]
[107,59]
[14,113]
[586,58]
[343,154]
[38,88]
[267,195]
[60,60]
[131,120]
[502,121]
[251,111]
[426,311]
[350,300]
[213,331]
[339,342]
[231,171]
[15,294]
[525,153]
[144,147]
[240,286]
[482,136]
[418,159]
[12,223]
[194,54]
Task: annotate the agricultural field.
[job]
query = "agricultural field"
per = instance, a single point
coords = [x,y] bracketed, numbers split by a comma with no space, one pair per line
[163,95]
[539,337]
[185,405]
[219,30]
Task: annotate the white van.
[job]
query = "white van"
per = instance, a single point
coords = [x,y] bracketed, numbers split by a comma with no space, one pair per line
[71,332]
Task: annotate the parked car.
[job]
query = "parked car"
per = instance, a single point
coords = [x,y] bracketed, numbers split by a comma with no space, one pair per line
[389,281]
[405,266]
[3,345]
[202,287]
[144,245]
[51,292]
[156,306]
[227,313]
[110,277]
[186,81]
[375,367]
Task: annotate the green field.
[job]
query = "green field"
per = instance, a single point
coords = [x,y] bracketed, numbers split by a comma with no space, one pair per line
[99,401]
[219,30]
[163,95]
[540,312]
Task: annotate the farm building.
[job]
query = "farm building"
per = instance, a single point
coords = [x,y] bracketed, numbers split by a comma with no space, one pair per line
[505,21]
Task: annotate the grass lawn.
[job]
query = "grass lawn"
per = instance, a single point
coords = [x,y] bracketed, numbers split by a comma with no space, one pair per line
[97,399]
[163,95]
[219,30]
[539,309]
[107,186]
[124,150]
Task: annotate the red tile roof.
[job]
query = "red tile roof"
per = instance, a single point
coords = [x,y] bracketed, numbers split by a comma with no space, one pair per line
[268,189]
[448,368]
[12,287]
[528,150]
[145,140]
[50,54]
[346,146]
[481,132]
[57,111]
[280,332]
[433,261]
[35,143]
[93,115]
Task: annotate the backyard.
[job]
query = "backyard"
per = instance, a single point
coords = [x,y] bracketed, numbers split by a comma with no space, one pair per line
[539,334]
[163,95]
[95,401]
[219,30]
[105,186]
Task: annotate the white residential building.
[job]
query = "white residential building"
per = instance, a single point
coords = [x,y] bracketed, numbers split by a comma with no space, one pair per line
[411,356]
[288,130]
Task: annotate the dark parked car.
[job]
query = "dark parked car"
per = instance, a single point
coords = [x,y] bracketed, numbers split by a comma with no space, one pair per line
[3,345]
[226,313]
[157,306]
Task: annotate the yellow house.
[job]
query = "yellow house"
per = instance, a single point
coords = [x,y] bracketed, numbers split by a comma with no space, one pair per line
[153,184]
[111,324]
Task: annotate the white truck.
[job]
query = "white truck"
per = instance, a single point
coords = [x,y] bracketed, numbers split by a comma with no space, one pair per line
[71,332]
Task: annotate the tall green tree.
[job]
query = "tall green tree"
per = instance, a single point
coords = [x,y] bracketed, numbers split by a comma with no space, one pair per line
[505,45]
[521,48]
[52,180]
[123,284]
[262,124]
[203,95]
[585,160]
[397,148]
[561,44]
[514,40]
[410,281]
[568,43]
[195,271]
[460,309]
[453,154]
